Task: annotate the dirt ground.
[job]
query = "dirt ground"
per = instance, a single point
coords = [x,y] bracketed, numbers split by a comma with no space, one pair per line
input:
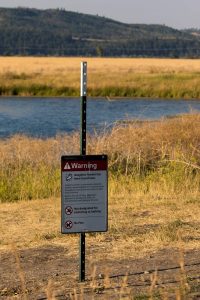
[48,273]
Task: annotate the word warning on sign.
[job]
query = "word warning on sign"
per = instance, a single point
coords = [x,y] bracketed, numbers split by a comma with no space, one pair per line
[84,193]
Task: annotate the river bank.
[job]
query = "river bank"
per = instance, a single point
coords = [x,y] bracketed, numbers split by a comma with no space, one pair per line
[107,77]
[185,86]
[163,155]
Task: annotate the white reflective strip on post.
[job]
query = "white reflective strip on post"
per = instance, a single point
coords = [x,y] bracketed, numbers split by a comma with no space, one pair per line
[83,79]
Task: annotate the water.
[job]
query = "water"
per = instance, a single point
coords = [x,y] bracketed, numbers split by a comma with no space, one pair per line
[47,117]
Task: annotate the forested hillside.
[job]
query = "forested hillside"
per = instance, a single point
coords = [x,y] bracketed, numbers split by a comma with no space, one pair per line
[58,32]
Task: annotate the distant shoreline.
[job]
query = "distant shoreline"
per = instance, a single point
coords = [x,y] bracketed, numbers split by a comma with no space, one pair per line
[109,78]
[97,98]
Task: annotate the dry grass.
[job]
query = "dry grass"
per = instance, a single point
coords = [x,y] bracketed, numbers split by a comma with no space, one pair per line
[138,224]
[70,65]
[154,198]
[143,146]
[170,78]
[168,150]
[154,187]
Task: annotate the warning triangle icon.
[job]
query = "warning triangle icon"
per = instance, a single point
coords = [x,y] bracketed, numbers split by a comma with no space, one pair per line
[67,167]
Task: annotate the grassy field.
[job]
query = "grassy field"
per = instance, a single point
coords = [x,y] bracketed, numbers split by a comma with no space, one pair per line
[154,193]
[149,161]
[164,153]
[107,77]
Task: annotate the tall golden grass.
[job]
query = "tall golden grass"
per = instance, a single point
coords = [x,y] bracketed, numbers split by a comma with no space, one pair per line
[148,153]
[154,177]
[58,65]
[167,78]
[154,193]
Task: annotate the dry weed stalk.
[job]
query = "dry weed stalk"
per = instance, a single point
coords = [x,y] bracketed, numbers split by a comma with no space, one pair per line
[178,295]
[82,292]
[184,286]
[164,295]
[154,279]
[20,272]
[50,291]
[124,290]
[107,281]
[74,295]
[93,283]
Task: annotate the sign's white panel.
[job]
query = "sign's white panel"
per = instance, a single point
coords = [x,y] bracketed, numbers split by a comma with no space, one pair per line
[84,194]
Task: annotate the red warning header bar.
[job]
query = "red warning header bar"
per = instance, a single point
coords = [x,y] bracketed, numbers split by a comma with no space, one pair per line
[83,165]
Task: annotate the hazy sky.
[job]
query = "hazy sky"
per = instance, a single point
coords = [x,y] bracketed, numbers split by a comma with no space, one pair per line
[174,13]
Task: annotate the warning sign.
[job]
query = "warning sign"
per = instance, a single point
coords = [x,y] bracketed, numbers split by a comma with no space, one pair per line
[84,194]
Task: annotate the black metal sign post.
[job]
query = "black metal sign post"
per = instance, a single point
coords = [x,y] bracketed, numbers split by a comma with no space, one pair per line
[83,152]
[79,175]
